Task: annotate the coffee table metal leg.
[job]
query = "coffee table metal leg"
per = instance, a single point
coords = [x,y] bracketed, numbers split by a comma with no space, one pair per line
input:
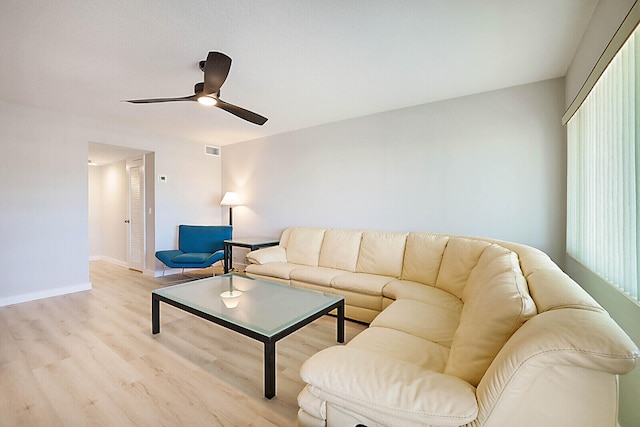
[341,322]
[269,369]
[155,314]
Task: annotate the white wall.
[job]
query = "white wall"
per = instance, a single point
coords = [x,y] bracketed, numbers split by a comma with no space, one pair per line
[107,211]
[95,212]
[44,212]
[491,164]
[113,212]
[190,195]
[43,194]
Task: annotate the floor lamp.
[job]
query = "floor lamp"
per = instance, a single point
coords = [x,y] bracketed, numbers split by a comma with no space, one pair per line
[230,199]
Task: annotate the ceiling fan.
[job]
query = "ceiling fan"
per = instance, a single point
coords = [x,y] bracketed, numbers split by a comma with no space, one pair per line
[215,68]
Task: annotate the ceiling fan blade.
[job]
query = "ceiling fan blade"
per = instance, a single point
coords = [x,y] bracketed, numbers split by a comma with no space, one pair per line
[216,70]
[153,100]
[241,112]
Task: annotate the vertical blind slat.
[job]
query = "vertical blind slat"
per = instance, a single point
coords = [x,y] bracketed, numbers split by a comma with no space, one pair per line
[603,183]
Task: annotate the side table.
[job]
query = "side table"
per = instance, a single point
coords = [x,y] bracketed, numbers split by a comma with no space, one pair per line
[252,243]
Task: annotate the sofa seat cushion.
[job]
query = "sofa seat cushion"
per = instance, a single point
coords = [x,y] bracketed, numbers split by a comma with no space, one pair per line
[370,284]
[167,256]
[280,270]
[423,320]
[388,390]
[191,258]
[404,289]
[316,275]
[402,346]
[353,299]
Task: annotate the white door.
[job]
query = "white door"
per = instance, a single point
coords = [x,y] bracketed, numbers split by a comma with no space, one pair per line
[135,221]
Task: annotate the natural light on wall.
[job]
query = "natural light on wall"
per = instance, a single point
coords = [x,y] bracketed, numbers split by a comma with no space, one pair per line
[603,173]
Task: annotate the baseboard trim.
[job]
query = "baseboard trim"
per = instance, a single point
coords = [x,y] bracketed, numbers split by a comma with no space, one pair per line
[112,261]
[123,264]
[152,273]
[32,296]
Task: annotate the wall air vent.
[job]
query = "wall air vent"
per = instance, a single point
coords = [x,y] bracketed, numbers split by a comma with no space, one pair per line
[210,150]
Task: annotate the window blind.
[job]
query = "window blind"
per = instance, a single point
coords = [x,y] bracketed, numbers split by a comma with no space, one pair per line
[603,173]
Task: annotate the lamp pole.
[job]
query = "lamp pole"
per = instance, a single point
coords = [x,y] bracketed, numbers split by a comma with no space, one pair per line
[230,199]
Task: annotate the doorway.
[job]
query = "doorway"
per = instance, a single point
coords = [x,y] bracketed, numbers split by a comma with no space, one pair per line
[111,235]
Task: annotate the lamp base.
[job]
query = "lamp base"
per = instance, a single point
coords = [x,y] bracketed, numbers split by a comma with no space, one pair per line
[231,298]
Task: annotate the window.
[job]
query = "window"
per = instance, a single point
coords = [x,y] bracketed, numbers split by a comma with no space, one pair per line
[603,173]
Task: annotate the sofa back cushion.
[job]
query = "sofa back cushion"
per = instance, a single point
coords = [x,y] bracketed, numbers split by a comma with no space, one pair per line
[496,303]
[382,253]
[423,256]
[284,238]
[340,249]
[460,257]
[303,246]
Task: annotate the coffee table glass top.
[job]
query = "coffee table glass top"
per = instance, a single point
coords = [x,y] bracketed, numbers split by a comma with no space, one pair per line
[266,308]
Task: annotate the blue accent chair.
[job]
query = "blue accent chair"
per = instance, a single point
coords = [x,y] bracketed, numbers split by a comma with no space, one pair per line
[199,246]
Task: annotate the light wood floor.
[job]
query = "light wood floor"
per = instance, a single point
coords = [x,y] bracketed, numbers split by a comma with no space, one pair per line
[89,358]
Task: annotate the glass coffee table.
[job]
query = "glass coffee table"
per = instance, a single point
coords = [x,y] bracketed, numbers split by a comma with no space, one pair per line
[258,309]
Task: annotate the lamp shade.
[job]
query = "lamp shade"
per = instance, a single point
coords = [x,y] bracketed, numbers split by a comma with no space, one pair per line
[231,298]
[230,199]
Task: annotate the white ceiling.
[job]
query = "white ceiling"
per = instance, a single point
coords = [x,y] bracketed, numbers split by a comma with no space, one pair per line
[298,62]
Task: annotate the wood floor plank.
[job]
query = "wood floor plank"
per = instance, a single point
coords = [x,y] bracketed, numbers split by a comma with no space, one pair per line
[22,400]
[39,347]
[107,368]
[89,358]
[76,398]
[9,349]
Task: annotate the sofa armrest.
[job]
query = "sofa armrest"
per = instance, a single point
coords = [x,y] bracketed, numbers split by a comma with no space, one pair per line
[570,337]
[557,341]
[267,255]
[216,256]
[388,390]
[166,256]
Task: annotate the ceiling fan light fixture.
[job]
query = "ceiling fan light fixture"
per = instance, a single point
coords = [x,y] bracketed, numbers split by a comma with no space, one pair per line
[207,100]
[215,68]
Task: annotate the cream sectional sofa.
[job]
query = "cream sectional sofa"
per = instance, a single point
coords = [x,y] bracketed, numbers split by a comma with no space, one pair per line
[463,331]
